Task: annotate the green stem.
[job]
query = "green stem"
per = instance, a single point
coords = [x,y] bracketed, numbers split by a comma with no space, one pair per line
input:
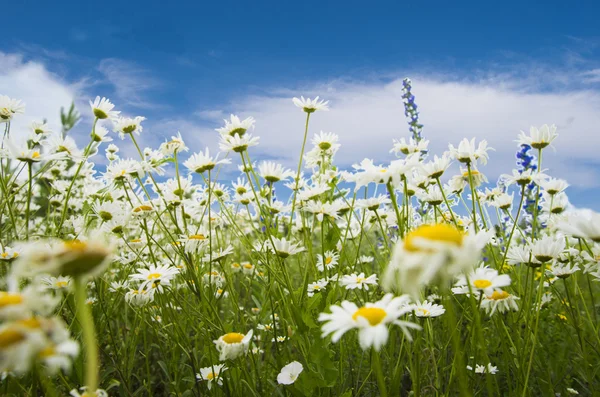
[86,320]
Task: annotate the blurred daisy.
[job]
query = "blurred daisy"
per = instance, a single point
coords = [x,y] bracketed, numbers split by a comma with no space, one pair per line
[428,309]
[354,281]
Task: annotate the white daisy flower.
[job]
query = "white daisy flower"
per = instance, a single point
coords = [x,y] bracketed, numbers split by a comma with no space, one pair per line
[233,345]
[212,374]
[202,162]
[371,320]
[235,126]
[428,309]
[484,279]
[538,138]
[103,108]
[310,105]
[354,281]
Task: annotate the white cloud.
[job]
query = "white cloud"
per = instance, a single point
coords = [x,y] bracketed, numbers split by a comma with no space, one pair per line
[42,91]
[367,116]
[131,82]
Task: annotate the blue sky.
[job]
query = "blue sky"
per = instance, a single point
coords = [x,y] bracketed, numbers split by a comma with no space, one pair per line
[186,66]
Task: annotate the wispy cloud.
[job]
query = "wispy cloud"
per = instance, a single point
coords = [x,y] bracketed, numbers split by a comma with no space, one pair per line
[132,83]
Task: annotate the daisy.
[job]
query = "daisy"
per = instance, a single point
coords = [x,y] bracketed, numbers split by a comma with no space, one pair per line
[354,281]
[432,253]
[409,147]
[202,162]
[235,126]
[582,223]
[436,168]
[237,143]
[273,172]
[322,209]
[86,393]
[428,309]
[156,276]
[467,153]
[554,186]
[212,374]
[547,248]
[484,279]
[371,320]
[100,134]
[317,286]
[326,141]
[10,107]
[372,203]
[127,125]
[103,108]
[538,138]
[329,260]
[310,105]
[40,128]
[563,270]
[284,248]
[289,373]
[175,145]
[233,345]
[499,300]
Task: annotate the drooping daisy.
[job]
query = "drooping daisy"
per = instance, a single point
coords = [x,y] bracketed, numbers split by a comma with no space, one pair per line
[310,105]
[232,345]
[40,128]
[212,374]
[371,320]
[103,109]
[354,281]
[175,145]
[289,373]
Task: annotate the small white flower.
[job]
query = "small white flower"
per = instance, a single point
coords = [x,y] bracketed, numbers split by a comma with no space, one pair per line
[289,373]
[311,105]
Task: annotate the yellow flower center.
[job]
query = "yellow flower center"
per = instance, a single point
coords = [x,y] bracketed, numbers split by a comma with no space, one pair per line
[47,352]
[143,208]
[481,284]
[439,233]
[424,312]
[499,295]
[374,315]
[153,276]
[76,245]
[233,337]
[61,284]
[8,299]
[4,254]
[247,265]
[136,240]
[35,155]
[9,337]
[30,323]
[328,260]
[211,376]
[197,237]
